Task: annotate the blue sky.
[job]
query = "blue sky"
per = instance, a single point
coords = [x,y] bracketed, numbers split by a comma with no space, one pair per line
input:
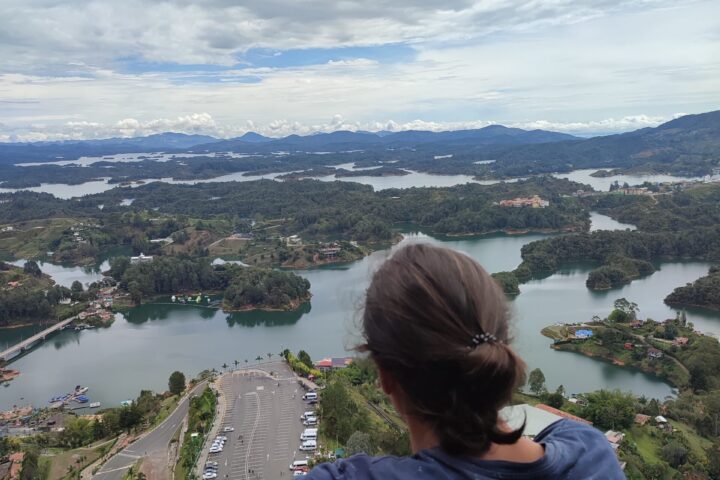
[97,68]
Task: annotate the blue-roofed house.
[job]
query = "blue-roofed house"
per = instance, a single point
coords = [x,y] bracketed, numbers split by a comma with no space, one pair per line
[583,333]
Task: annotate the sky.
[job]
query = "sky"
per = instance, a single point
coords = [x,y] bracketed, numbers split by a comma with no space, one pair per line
[78,69]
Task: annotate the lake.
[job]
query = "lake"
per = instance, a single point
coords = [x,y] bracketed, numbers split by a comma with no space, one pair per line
[147,343]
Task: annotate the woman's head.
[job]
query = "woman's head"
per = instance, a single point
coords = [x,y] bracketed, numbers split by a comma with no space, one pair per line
[437,323]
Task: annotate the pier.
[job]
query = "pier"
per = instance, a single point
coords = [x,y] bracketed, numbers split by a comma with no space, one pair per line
[29,342]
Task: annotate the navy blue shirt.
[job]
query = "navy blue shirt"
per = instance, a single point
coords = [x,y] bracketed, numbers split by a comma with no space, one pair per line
[572,451]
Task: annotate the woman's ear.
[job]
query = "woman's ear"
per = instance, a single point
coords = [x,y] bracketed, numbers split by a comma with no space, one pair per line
[387,381]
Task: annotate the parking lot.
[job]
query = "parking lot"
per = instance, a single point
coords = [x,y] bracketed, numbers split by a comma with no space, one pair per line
[264,413]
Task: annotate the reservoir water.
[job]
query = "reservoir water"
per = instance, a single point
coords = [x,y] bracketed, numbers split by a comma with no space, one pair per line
[145,344]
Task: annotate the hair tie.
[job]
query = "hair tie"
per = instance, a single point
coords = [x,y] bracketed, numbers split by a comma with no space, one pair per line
[480,338]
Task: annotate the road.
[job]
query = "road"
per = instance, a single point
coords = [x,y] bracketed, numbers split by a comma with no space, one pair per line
[265,414]
[28,342]
[154,444]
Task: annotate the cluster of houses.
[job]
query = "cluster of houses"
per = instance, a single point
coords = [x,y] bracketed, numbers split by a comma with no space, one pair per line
[100,307]
[533,202]
[333,363]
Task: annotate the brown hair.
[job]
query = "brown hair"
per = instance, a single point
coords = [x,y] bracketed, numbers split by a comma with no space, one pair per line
[424,307]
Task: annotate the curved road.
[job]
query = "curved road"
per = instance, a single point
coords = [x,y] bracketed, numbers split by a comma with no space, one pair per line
[154,444]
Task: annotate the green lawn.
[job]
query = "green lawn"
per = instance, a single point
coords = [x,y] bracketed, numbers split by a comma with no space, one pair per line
[648,446]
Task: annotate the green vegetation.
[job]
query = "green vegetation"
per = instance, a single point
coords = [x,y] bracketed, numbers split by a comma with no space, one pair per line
[26,295]
[176,383]
[200,418]
[243,287]
[704,292]
[358,416]
[622,255]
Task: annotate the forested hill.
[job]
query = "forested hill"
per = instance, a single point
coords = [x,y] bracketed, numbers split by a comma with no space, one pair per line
[688,145]
[316,208]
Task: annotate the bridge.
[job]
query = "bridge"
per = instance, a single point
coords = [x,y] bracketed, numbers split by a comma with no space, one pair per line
[29,342]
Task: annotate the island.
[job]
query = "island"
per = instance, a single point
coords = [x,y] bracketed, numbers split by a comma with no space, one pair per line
[703,292]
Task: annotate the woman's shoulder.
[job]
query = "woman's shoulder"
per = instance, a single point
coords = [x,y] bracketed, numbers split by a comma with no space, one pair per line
[362,466]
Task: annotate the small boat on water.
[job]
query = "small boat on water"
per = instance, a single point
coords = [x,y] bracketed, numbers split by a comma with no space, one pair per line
[80,390]
[82,399]
[94,405]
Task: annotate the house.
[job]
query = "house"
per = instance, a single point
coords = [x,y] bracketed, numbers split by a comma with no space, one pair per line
[629,345]
[141,258]
[583,333]
[293,241]
[615,438]
[562,414]
[641,419]
[536,419]
[681,341]
[14,284]
[7,229]
[330,251]
[334,363]
[660,420]
[637,324]
[654,353]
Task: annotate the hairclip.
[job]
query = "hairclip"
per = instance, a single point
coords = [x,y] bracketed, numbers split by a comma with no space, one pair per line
[480,338]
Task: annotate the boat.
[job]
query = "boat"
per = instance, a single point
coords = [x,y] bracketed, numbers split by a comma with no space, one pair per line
[82,399]
[94,405]
[79,390]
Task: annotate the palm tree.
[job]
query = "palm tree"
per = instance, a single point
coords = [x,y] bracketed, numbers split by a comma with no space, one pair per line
[246,361]
[236,364]
[224,366]
[258,358]
[269,355]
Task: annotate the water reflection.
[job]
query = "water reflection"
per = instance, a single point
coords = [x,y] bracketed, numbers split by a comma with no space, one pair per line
[259,318]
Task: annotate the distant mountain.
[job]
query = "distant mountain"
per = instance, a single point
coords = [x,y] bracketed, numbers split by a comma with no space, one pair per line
[73,149]
[347,140]
[252,137]
[689,145]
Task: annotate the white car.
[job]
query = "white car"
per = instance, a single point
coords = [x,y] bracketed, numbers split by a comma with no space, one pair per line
[228,429]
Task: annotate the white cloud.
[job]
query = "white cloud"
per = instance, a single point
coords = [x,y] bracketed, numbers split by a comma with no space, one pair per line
[204,123]
[576,66]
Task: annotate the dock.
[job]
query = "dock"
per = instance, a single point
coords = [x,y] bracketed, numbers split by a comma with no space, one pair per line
[38,337]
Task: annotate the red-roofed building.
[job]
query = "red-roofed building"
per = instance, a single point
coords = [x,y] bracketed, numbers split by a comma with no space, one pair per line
[681,341]
[333,363]
[560,413]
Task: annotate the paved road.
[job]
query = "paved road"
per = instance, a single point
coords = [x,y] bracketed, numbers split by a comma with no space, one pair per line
[154,444]
[265,413]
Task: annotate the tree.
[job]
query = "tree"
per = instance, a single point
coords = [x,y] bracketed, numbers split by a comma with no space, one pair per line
[675,453]
[31,268]
[555,400]
[536,381]
[359,442]
[627,307]
[610,409]
[76,289]
[176,383]
[304,357]
[30,469]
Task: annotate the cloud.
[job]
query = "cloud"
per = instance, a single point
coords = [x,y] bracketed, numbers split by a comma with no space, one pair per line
[204,123]
[38,34]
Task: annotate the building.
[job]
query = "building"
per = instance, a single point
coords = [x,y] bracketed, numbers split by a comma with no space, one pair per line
[635,191]
[293,241]
[681,341]
[141,258]
[583,333]
[562,414]
[654,353]
[637,324]
[615,438]
[327,364]
[641,419]
[533,202]
[660,420]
